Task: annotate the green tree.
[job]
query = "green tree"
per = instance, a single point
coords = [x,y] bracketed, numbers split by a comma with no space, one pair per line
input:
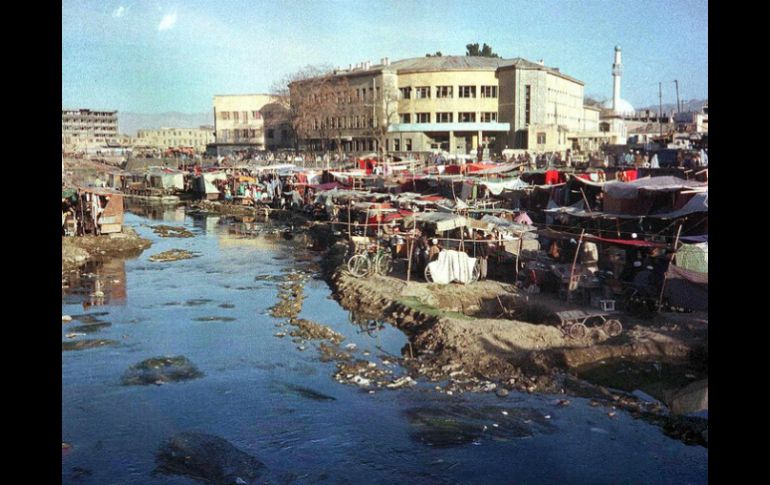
[437,54]
[473,50]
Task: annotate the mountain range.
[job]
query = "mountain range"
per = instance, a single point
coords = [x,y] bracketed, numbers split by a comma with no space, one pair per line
[689,105]
[129,123]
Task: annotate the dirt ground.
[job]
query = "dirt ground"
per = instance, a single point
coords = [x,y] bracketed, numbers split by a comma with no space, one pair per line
[492,330]
[77,250]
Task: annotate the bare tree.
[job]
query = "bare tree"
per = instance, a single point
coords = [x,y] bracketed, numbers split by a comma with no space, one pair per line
[383,112]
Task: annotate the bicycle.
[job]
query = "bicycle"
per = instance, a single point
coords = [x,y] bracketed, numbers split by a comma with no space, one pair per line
[373,261]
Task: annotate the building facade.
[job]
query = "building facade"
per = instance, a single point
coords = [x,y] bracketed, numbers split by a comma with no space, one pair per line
[245,122]
[451,103]
[84,129]
[164,138]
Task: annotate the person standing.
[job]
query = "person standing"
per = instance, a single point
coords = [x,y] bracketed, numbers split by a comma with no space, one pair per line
[482,252]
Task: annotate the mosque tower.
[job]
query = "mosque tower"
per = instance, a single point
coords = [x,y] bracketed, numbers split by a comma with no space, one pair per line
[617,71]
[618,106]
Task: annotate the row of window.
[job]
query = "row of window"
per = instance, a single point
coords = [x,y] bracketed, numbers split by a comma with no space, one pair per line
[397,145]
[447,117]
[239,115]
[442,92]
[237,134]
[440,117]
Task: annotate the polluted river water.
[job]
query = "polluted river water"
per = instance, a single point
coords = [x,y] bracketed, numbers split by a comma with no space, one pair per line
[266,405]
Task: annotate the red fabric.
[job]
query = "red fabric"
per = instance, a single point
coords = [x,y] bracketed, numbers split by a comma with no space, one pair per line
[551,177]
[430,198]
[583,176]
[627,242]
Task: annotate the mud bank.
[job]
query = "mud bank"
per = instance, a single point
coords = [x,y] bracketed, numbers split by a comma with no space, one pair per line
[78,250]
[460,335]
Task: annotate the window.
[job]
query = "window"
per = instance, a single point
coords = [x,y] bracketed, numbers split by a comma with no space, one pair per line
[443,91]
[235,115]
[443,117]
[405,118]
[541,138]
[225,115]
[408,144]
[489,117]
[527,99]
[422,92]
[488,91]
[423,117]
[406,93]
[466,117]
[245,115]
[255,115]
[467,91]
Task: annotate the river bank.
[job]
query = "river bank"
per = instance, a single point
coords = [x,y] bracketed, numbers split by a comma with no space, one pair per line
[76,251]
[465,333]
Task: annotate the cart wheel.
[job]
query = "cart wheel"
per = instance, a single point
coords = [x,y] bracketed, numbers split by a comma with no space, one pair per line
[428,276]
[358,265]
[384,264]
[613,328]
[577,331]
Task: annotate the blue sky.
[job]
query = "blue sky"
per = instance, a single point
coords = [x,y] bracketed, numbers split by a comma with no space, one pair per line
[154,56]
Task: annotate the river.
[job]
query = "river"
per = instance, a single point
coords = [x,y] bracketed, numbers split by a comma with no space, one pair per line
[274,401]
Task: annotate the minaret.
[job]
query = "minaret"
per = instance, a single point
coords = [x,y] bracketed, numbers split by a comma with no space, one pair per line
[617,70]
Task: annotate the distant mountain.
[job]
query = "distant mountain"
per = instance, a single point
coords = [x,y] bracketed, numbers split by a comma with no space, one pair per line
[690,105]
[129,123]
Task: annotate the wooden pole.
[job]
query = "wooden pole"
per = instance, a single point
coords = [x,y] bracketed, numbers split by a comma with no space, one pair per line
[574,262]
[350,224]
[670,259]
[585,199]
[517,257]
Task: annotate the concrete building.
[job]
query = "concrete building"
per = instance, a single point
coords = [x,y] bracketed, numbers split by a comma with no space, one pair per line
[164,138]
[452,103]
[84,129]
[245,122]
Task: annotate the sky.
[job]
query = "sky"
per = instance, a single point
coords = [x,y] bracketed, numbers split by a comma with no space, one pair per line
[153,56]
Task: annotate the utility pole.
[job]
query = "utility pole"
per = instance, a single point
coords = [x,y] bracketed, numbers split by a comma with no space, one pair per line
[660,108]
[678,106]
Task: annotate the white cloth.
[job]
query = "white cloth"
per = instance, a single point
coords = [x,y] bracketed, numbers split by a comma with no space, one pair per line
[452,266]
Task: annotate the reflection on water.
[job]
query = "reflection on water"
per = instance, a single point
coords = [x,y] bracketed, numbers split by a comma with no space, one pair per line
[97,283]
[155,212]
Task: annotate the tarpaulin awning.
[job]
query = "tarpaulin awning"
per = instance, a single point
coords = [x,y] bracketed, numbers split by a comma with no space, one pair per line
[630,190]
[497,188]
[443,221]
[688,289]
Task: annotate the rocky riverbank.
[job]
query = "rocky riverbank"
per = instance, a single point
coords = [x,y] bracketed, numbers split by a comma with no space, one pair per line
[78,250]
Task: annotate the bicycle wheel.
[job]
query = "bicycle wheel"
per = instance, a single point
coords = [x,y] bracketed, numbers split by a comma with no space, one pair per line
[428,276]
[358,265]
[577,331]
[384,264]
[612,328]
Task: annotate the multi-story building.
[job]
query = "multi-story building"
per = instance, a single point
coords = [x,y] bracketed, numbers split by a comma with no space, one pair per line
[82,129]
[243,121]
[164,138]
[454,103]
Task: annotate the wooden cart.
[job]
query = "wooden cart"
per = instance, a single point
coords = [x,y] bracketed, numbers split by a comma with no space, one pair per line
[573,323]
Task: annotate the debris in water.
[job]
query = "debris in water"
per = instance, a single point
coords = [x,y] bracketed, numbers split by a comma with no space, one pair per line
[163,369]
[173,255]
